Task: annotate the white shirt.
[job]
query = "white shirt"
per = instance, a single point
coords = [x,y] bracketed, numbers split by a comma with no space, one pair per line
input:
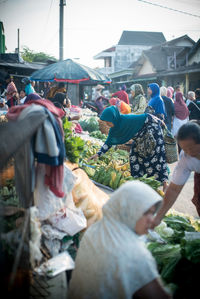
[22,100]
[184,167]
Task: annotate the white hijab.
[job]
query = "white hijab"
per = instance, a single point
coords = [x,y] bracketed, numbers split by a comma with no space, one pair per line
[112,261]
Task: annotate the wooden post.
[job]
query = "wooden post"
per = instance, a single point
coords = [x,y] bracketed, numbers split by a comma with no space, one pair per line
[186,83]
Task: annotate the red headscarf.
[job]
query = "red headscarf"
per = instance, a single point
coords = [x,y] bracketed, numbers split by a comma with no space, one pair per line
[181,110]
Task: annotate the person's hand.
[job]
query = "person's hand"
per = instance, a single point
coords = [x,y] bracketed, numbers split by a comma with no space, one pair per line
[156,222]
[94,157]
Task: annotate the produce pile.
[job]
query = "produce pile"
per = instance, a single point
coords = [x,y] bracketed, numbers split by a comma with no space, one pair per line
[89,124]
[176,250]
[112,169]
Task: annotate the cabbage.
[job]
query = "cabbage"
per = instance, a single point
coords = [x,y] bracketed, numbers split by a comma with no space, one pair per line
[164,231]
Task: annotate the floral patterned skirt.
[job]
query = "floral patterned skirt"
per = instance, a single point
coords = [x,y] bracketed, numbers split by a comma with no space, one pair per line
[147,155]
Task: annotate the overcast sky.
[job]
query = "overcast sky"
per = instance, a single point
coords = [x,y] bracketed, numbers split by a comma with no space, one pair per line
[91,26]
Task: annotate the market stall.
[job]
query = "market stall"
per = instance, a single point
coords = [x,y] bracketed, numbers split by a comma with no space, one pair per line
[57,223]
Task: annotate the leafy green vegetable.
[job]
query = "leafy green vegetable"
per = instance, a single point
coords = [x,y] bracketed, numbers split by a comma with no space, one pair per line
[98,135]
[166,256]
[191,250]
[89,124]
[74,146]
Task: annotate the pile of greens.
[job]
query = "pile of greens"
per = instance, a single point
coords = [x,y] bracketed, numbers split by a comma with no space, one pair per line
[98,135]
[89,124]
[178,258]
[74,145]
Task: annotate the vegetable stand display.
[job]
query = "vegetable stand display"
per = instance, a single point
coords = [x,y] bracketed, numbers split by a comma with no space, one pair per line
[178,254]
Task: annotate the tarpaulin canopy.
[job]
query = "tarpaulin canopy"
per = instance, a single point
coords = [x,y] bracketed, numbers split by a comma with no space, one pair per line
[69,71]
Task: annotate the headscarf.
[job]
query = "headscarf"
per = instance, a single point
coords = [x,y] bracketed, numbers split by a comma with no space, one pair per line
[156,101]
[123,87]
[32,97]
[125,126]
[59,97]
[137,88]
[180,108]
[113,101]
[111,254]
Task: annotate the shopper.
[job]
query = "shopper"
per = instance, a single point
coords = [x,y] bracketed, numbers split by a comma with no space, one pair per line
[170,93]
[181,113]
[169,107]
[156,103]
[190,97]
[113,261]
[3,106]
[194,106]
[189,161]
[122,106]
[122,94]
[29,88]
[139,101]
[11,89]
[22,96]
[147,155]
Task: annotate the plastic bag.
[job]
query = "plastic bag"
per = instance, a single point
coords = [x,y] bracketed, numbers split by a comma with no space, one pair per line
[46,201]
[51,233]
[88,197]
[69,220]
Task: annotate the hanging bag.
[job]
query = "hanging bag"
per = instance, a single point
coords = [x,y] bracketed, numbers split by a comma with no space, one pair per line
[171,149]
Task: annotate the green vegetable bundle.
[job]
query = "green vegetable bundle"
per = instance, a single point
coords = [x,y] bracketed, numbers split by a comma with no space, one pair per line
[90,124]
[74,146]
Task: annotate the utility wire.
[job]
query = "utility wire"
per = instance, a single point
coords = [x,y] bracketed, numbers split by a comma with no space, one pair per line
[169,8]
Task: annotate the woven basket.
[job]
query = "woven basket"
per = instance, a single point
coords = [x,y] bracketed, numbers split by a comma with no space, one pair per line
[103,127]
[124,147]
[171,152]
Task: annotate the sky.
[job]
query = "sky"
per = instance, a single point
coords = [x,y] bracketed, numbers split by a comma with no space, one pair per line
[91,26]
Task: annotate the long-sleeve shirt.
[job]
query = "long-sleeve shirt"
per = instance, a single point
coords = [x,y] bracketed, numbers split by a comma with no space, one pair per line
[104,149]
[122,95]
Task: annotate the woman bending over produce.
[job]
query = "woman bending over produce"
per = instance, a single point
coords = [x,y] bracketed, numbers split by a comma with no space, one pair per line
[147,155]
[112,261]
[189,140]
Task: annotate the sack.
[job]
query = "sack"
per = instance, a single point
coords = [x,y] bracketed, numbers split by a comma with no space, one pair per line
[171,149]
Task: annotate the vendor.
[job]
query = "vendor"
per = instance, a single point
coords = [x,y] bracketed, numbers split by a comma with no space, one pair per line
[147,155]
[189,141]
[112,261]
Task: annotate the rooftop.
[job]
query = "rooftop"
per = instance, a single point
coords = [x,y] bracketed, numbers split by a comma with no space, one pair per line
[145,38]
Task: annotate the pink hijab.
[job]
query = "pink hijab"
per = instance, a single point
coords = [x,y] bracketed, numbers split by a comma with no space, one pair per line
[181,110]
[170,92]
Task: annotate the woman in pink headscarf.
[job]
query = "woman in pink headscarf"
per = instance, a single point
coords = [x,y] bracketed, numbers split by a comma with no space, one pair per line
[170,92]
[122,106]
[181,113]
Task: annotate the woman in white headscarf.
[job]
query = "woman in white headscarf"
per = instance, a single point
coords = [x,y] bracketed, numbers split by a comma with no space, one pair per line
[112,261]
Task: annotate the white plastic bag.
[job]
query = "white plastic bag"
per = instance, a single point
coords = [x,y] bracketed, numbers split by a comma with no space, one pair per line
[46,201]
[69,220]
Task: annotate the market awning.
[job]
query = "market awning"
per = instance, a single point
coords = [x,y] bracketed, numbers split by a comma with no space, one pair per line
[71,72]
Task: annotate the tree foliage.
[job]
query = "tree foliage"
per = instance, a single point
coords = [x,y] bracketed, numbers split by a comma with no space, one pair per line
[31,56]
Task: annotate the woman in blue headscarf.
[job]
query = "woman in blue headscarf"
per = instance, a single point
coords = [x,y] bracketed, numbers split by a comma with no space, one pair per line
[147,155]
[156,101]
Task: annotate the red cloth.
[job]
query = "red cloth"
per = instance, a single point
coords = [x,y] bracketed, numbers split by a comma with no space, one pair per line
[196,197]
[122,95]
[54,174]
[180,108]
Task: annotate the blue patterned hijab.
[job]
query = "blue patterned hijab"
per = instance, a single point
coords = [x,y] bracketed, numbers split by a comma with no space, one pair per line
[125,126]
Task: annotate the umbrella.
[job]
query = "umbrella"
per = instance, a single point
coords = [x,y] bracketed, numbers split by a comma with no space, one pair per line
[69,71]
